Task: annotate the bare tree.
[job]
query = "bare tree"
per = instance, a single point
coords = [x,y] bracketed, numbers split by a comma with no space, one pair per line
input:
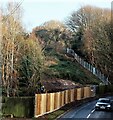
[95,39]
[11,27]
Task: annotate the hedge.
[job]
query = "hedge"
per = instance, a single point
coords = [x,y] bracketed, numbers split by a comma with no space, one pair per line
[103,89]
[18,106]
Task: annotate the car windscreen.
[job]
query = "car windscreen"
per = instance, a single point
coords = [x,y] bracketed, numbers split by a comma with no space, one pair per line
[104,101]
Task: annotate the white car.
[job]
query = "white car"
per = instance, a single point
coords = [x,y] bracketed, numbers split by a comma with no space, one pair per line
[103,104]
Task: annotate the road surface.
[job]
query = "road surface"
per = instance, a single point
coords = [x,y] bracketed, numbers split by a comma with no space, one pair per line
[87,111]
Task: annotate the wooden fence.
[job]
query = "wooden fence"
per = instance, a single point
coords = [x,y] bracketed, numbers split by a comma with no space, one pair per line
[49,102]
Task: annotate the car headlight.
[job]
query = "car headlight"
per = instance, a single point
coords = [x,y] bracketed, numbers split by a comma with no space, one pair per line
[108,105]
[97,105]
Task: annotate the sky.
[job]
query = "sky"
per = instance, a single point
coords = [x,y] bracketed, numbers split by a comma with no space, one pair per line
[36,12]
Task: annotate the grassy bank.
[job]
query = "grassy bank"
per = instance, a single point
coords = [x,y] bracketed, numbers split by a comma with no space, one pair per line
[64,67]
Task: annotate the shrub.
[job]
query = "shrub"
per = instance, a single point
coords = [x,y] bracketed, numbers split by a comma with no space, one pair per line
[18,106]
[103,89]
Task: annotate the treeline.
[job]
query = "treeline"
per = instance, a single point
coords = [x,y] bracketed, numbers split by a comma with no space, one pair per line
[87,31]
[22,56]
[92,40]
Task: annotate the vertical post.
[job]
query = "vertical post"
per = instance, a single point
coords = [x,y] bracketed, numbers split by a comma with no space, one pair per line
[0,61]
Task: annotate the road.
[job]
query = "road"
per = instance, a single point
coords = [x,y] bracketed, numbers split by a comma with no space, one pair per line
[87,111]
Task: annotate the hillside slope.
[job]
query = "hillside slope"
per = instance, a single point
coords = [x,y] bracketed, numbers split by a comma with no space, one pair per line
[60,66]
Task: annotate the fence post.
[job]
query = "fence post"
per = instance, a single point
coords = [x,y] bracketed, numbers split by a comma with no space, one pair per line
[75,56]
[75,94]
[62,98]
[94,70]
[72,95]
[66,96]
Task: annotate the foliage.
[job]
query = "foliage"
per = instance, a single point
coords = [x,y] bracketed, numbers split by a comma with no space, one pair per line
[54,24]
[31,66]
[77,42]
[91,36]
[53,34]
[18,106]
[70,70]
[88,33]
[12,32]
[104,89]
[22,57]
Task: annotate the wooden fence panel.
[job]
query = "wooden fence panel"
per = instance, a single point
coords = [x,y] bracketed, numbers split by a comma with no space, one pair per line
[69,96]
[52,101]
[75,94]
[48,102]
[57,100]
[66,96]
[72,95]
[78,93]
[43,103]
[37,104]
[87,92]
[62,98]
[82,93]
[40,104]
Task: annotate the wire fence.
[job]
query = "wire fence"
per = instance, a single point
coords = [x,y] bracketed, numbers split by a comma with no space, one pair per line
[89,67]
